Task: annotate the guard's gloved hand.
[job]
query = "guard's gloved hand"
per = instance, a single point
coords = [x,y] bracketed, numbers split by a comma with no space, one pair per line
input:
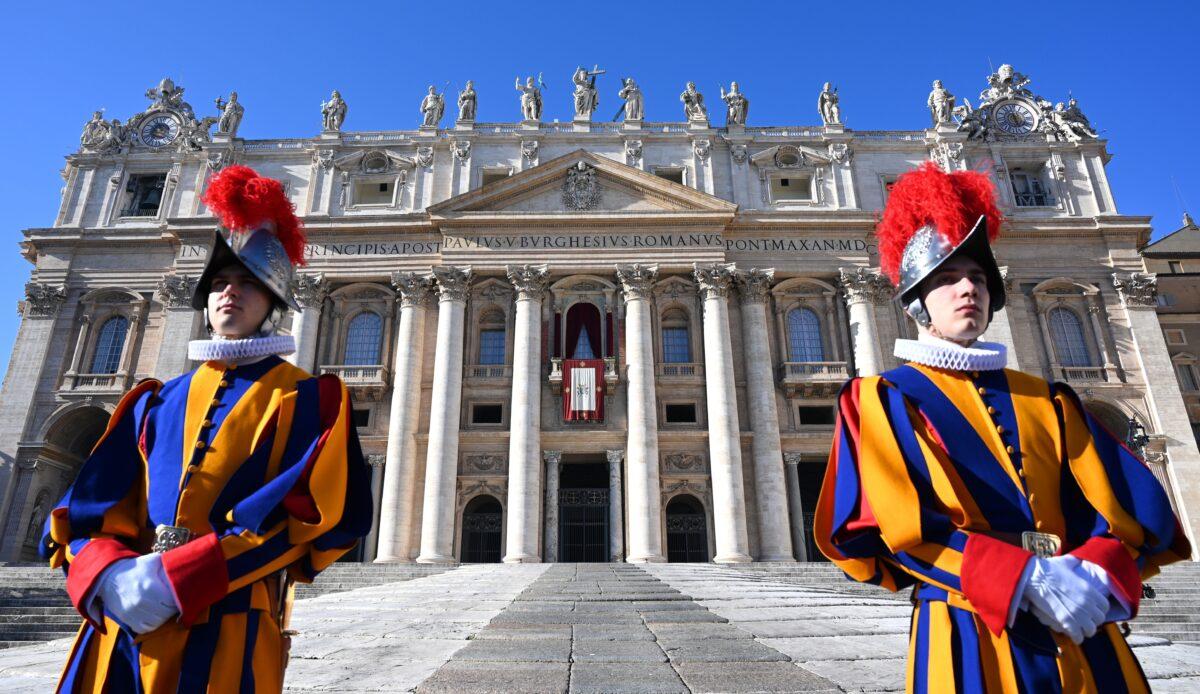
[1062,599]
[137,594]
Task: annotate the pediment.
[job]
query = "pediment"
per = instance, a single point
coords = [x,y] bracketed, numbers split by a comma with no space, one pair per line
[789,157]
[599,186]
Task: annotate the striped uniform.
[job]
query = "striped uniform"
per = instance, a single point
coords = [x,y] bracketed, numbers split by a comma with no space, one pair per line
[262,464]
[933,476]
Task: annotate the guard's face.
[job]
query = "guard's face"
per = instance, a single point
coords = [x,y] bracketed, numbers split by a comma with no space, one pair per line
[237,302]
[956,297]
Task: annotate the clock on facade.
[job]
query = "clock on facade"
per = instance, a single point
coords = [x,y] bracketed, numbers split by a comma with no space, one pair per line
[159,130]
[1014,117]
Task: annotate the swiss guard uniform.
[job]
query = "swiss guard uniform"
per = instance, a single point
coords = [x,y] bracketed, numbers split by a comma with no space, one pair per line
[223,485]
[968,481]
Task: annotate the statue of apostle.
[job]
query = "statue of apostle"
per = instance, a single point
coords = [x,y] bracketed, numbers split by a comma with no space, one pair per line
[333,112]
[737,105]
[941,104]
[466,102]
[231,115]
[693,103]
[433,107]
[531,99]
[635,107]
[827,105]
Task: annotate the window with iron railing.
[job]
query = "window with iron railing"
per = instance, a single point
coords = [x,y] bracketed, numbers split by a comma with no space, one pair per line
[1070,345]
[109,345]
[804,336]
[364,338]
[1030,191]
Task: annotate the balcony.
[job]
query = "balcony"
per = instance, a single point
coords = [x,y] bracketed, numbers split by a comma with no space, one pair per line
[680,371]
[610,371]
[1084,374]
[365,382]
[93,384]
[813,378]
[489,372]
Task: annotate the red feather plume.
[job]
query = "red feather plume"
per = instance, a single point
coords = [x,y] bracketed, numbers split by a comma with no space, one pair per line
[950,202]
[243,200]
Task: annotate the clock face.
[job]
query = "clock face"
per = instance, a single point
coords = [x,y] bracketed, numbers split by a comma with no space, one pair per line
[159,130]
[1014,117]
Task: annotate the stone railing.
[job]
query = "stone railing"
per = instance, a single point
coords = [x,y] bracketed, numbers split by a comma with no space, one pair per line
[1083,374]
[679,370]
[813,377]
[610,370]
[490,372]
[95,383]
[367,382]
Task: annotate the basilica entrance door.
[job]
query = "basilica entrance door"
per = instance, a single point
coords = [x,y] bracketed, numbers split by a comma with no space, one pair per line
[583,513]
[481,526]
[687,536]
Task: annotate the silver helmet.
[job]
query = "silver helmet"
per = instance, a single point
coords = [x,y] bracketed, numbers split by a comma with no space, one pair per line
[928,250]
[260,252]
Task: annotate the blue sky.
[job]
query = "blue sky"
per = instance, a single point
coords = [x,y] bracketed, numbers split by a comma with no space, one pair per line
[1133,66]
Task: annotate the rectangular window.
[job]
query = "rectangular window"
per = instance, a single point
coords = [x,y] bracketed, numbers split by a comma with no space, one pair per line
[793,188]
[815,415]
[1176,266]
[373,193]
[671,173]
[680,413]
[1175,336]
[1187,376]
[676,349]
[491,346]
[143,195]
[1029,189]
[493,175]
[1164,299]
[361,418]
[487,413]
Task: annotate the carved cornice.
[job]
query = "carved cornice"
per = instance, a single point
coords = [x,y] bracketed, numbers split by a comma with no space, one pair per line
[1137,289]
[414,289]
[714,279]
[754,284]
[864,285]
[637,280]
[529,280]
[43,300]
[310,289]
[453,283]
[484,464]
[175,291]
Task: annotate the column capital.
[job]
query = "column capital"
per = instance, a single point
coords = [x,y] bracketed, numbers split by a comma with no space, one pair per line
[754,284]
[414,289]
[376,460]
[452,282]
[864,285]
[1137,290]
[310,289]
[42,300]
[791,458]
[615,456]
[529,280]
[637,279]
[552,457]
[175,291]
[1009,280]
[714,279]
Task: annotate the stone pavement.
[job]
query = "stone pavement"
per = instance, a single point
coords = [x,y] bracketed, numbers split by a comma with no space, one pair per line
[609,628]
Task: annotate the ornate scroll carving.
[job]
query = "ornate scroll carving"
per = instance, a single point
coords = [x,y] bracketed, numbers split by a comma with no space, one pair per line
[176,291]
[42,300]
[714,279]
[753,284]
[637,279]
[414,289]
[864,285]
[581,190]
[683,463]
[452,282]
[529,280]
[310,289]
[1137,289]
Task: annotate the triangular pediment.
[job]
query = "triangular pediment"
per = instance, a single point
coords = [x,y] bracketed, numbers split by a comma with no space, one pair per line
[602,187]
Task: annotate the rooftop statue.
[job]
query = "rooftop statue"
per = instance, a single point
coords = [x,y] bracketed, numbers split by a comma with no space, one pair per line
[693,103]
[531,99]
[333,112]
[737,105]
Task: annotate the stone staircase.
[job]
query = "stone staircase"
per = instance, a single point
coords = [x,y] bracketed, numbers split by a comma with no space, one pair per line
[34,605]
[1174,612]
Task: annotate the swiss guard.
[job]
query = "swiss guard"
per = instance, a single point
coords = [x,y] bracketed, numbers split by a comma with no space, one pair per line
[208,494]
[1024,528]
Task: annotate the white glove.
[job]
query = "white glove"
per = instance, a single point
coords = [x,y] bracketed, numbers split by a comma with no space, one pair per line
[1062,599]
[137,594]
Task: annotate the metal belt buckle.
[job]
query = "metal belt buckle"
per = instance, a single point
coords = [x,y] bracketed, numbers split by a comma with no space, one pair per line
[1042,544]
[168,537]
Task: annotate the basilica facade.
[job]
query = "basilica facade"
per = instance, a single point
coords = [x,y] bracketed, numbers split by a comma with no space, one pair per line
[582,340]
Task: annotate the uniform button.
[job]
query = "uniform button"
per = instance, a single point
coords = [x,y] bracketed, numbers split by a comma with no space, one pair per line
[999,429]
[192,468]
[1010,450]
[974,374]
[223,384]
[982,391]
[1032,497]
[200,445]
[991,410]
[215,403]
[1021,473]
[206,424]
[1038,525]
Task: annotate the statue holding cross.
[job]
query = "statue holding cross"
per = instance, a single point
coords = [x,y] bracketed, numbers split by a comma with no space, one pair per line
[587,98]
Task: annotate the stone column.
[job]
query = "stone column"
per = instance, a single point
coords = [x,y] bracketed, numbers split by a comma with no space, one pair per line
[310,291]
[642,483]
[525,416]
[397,508]
[441,456]
[1095,306]
[724,430]
[775,541]
[39,312]
[179,321]
[371,542]
[1138,291]
[616,524]
[553,468]
[863,288]
[795,506]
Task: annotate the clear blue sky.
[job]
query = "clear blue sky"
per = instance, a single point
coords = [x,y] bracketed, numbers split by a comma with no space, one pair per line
[1134,68]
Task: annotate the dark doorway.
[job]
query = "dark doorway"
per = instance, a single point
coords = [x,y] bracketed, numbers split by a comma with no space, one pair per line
[583,512]
[687,534]
[481,531]
[811,475]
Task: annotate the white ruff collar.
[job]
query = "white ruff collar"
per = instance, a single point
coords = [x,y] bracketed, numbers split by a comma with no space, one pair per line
[943,354]
[242,351]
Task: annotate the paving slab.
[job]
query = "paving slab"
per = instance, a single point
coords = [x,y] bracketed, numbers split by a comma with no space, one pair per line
[720,651]
[612,632]
[739,678]
[626,678]
[457,677]
[517,650]
[593,651]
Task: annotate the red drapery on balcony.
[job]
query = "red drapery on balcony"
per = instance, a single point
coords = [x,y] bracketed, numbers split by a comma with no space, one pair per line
[575,394]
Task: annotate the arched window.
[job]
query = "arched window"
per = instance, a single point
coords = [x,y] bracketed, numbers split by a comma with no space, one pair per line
[491,338]
[804,336]
[676,344]
[109,345]
[1069,343]
[364,337]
